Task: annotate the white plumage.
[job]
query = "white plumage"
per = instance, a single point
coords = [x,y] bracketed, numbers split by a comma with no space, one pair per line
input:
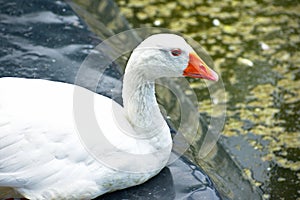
[41,153]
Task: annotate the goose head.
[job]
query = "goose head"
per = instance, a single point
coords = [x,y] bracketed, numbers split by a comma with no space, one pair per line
[167,55]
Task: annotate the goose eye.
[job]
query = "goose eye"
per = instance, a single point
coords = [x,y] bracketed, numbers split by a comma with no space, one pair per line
[176,52]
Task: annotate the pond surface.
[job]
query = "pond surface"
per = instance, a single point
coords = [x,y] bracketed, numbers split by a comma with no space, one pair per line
[255,46]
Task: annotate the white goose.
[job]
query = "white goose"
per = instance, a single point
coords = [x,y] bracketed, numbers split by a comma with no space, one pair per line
[41,153]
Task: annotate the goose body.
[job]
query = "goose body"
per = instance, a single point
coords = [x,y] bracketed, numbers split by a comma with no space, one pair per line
[42,155]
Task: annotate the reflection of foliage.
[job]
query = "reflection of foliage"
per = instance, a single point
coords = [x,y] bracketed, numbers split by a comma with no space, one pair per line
[103,16]
[255,45]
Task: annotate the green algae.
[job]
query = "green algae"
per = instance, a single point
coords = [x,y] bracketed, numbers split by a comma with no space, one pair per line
[255,46]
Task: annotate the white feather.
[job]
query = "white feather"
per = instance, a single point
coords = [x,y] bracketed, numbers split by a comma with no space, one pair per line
[40,148]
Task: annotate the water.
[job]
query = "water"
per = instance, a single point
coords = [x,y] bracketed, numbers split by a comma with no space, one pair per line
[255,46]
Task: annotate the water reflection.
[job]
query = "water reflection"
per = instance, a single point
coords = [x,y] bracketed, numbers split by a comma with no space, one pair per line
[255,45]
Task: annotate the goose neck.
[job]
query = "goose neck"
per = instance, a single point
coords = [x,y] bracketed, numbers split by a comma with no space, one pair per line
[140,103]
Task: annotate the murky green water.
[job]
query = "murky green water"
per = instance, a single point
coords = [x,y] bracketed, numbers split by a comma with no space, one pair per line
[255,46]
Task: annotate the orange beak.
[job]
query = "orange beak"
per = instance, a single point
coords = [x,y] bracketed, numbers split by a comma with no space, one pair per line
[198,69]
